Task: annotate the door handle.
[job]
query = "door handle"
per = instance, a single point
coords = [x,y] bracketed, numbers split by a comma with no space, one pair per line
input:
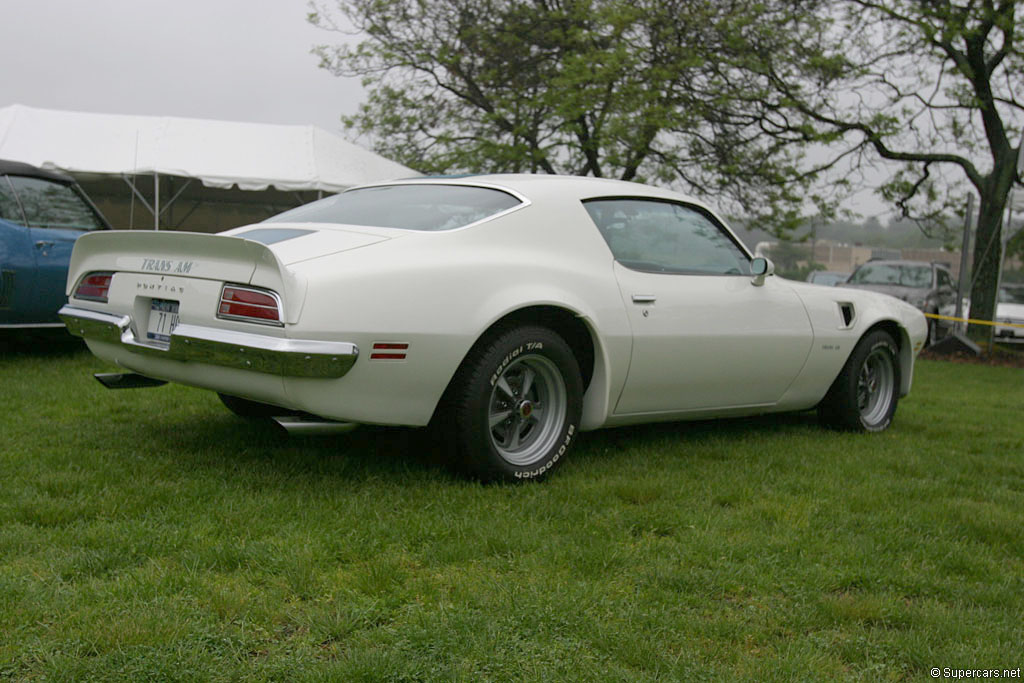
[44,244]
[644,298]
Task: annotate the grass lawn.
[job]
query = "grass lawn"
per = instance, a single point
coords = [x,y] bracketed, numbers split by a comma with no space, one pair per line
[150,534]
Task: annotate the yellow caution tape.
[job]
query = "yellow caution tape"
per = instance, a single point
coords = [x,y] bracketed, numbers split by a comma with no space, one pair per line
[971,320]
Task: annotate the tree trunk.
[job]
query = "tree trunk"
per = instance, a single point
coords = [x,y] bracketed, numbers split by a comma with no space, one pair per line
[986,263]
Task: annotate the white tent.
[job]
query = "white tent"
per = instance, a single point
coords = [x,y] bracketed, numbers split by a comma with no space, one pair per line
[219,154]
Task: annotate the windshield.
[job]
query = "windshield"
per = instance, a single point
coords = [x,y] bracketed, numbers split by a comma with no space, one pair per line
[825,278]
[1011,295]
[893,274]
[411,207]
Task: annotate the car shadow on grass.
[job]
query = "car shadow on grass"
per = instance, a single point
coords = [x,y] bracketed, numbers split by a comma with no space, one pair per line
[39,343]
[412,455]
[693,436]
[260,445]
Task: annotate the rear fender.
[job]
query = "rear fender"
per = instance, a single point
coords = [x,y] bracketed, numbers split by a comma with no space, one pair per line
[611,347]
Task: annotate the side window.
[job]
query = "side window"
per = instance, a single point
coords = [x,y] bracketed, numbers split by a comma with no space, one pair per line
[9,209]
[53,205]
[665,237]
[944,279]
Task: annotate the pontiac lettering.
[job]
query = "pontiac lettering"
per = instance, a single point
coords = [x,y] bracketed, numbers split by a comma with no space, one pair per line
[159,287]
[156,265]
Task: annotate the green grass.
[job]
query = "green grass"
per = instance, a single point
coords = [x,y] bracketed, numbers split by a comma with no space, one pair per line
[149,534]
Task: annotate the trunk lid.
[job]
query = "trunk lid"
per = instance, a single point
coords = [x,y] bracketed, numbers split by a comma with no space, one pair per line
[258,255]
[189,255]
[296,242]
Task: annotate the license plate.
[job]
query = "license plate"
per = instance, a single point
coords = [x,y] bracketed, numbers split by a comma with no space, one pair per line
[163,318]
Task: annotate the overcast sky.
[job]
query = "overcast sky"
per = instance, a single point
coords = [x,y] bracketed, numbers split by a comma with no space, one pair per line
[235,60]
[242,60]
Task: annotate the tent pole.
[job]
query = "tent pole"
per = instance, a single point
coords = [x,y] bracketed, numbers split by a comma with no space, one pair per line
[156,201]
[138,194]
[170,202]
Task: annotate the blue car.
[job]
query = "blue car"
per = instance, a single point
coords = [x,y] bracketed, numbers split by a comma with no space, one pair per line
[42,213]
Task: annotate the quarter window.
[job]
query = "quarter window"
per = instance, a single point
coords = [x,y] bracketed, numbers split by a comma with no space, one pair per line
[665,237]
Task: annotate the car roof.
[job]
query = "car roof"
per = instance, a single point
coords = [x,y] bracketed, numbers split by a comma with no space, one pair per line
[904,262]
[536,186]
[23,169]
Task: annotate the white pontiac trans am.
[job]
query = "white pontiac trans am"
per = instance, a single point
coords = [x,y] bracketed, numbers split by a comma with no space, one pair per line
[511,312]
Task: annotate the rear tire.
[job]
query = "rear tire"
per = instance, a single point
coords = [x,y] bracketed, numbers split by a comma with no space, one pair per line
[513,408]
[863,397]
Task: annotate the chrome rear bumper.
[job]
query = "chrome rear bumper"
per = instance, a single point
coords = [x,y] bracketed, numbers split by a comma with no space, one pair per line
[242,350]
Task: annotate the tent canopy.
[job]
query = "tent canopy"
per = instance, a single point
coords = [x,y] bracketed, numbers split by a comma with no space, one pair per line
[222,154]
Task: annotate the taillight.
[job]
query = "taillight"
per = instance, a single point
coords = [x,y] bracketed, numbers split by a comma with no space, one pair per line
[94,287]
[250,305]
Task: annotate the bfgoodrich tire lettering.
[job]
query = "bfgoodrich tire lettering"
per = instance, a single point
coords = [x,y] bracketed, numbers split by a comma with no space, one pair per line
[516,403]
[864,395]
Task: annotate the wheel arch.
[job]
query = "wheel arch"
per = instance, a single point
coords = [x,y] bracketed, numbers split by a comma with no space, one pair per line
[903,344]
[577,332]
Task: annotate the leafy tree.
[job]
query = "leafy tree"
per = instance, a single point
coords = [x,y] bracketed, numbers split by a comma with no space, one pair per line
[726,98]
[933,85]
[633,90]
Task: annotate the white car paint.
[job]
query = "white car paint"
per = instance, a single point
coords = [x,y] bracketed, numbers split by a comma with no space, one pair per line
[708,345]
[1012,315]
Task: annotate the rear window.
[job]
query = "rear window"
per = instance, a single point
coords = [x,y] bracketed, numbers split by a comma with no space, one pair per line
[411,207]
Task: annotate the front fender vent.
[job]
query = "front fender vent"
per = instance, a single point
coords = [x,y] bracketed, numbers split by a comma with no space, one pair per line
[846,314]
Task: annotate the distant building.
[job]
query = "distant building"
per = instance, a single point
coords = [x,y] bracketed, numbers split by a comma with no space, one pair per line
[845,258]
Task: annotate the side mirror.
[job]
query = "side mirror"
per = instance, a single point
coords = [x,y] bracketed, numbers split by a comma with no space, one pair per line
[760,268]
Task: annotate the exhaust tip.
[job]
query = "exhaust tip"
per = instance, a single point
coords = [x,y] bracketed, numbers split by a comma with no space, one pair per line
[309,425]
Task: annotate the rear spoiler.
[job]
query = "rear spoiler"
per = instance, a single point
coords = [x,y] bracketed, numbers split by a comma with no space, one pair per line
[187,254]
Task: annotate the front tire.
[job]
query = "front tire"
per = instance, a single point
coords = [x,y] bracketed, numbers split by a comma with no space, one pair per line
[515,405]
[863,397]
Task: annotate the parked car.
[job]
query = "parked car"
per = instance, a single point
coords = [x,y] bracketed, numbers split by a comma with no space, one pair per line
[508,312]
[929,287]
[1010,311]
[42,213]
[829,278]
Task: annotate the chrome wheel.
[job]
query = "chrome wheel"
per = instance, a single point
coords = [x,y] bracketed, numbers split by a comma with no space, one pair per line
[513,409]
[527,410]
[876,384]
[863,397]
